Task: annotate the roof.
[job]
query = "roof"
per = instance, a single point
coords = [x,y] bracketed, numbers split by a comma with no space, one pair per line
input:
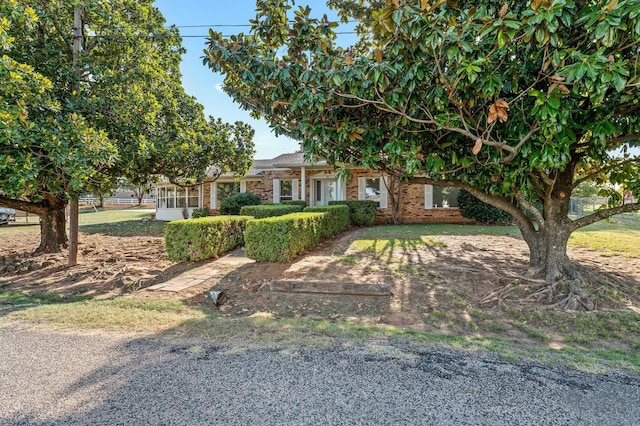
[281,161]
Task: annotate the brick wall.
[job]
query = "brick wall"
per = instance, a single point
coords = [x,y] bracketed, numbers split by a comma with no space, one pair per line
[413,210]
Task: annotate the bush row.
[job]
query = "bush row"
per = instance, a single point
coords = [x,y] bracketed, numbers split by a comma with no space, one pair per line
[361,212]
[288,234]
[336,219]
[281,239]
[205,238]
[301,203]
[269,210]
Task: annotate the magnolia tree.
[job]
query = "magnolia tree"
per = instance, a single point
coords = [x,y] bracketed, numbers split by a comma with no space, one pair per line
[121,112]
[516,102]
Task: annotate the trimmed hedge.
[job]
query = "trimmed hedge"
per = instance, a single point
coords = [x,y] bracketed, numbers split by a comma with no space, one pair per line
[282,238]
[472,208]
[335,220]
[361,212]
[233,203]
[301,203]
[269,210]
[205,238]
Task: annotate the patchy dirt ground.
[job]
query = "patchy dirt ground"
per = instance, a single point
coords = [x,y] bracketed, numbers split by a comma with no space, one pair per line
[107,265]
[439,283]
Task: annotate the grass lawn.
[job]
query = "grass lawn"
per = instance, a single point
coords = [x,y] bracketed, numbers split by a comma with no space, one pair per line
[620,236]
[120,222]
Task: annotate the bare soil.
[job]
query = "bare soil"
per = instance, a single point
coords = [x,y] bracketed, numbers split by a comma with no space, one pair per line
[447,283]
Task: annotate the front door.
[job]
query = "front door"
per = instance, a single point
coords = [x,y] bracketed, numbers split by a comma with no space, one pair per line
[325,190]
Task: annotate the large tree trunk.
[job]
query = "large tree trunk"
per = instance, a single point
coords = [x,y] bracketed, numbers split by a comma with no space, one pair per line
[548,253]
[53,234]
[548,246]
[51,211]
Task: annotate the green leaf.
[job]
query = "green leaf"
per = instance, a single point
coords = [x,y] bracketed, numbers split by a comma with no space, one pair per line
[554,102]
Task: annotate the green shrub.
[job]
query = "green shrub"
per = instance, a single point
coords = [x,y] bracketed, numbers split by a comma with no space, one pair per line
[472,208]
[282,238]
[269,210]
[335,220]
[233,203]
[361,212]
[301,203]
[198,213]
[203,238]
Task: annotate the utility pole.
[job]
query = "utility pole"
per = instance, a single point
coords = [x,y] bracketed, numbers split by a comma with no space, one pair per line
[78,43]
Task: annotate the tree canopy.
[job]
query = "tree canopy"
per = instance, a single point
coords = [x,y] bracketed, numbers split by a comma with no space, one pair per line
[516,102]
[121,113]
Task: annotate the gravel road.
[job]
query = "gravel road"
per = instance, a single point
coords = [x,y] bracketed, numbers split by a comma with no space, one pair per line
[48,378]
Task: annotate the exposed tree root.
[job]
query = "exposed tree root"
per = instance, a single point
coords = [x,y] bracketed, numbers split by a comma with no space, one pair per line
[496,296]
[568,293]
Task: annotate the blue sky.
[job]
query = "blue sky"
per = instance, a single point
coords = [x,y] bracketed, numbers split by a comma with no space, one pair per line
[200,82]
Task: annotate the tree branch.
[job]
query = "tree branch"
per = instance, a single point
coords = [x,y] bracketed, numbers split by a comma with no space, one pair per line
[530,208]
[524,222]
[623,139]
[603,214]
[23,205]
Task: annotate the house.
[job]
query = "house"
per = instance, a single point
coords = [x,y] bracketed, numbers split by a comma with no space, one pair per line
[289,177]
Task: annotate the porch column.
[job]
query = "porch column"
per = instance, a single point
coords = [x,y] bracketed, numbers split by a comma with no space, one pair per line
[339,188]
[303,186]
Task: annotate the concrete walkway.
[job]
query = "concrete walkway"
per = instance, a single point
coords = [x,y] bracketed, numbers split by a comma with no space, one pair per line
[207,271]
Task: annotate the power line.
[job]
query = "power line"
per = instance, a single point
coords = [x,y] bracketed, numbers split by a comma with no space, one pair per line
[244,25]
[159,37]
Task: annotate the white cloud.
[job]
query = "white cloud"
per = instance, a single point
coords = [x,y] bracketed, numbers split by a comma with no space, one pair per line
[219,87]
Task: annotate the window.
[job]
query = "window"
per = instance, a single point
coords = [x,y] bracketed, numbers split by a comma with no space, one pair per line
[440,197]
[285,190]
[193,197]
[161,198]
[178,197]
[374,189]
[181,197]
[221,190]
[227,188]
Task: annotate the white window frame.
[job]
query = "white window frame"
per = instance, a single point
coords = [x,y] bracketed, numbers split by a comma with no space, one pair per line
[168,195]
[277,189]
[362,194]
[429,195]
